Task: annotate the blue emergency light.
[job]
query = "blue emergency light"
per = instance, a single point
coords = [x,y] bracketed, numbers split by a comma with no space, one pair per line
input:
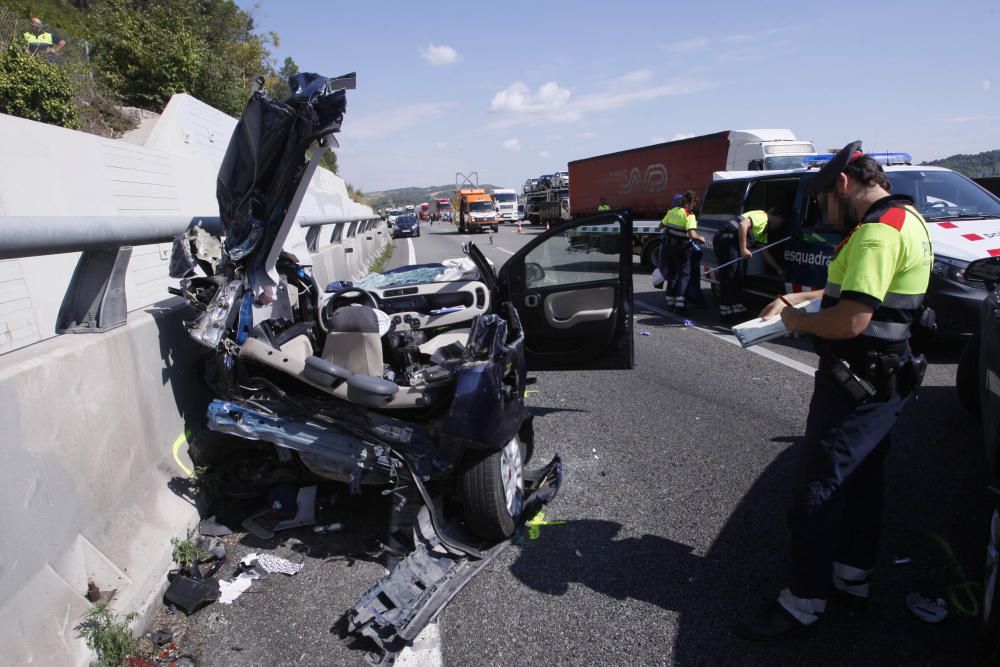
[815,161]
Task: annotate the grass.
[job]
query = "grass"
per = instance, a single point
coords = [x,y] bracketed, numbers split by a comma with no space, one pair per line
[382,258]
[109,636]
[184,551]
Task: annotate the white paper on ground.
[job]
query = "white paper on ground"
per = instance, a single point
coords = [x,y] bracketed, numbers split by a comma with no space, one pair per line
[759,330]
[271,564]
[230,590]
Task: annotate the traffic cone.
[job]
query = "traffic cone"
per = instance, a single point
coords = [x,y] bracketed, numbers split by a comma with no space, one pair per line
[518,226]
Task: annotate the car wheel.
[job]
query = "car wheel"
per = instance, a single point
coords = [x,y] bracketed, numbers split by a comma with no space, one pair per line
[990,628]
[967,376]
[492,489]
[418,233]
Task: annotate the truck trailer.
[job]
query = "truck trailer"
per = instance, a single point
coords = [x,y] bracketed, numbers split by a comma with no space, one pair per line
[645,179]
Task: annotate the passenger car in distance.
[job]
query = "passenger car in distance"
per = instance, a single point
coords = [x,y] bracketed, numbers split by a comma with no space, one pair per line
[406,225]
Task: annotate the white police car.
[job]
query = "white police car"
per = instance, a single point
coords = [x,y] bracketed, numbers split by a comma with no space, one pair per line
[963,219]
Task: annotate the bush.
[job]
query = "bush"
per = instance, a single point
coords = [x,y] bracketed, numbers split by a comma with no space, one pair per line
[32,88]
[107,635]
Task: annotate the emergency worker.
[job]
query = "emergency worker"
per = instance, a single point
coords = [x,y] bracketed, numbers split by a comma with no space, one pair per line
[604,206]
[733,242]
[680,233]
[40,40]
[873,296]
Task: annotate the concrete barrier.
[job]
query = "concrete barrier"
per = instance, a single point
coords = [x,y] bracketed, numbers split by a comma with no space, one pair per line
[90,485]
[52,171]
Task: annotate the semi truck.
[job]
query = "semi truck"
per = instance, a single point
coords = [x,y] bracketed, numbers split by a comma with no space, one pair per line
[645,179]
[425,211]
[546,198]
[506,203]
[442,209]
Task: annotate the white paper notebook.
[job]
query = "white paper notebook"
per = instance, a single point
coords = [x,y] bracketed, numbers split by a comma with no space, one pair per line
[758,330]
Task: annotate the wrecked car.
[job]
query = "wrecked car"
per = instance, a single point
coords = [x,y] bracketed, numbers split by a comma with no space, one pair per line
[413,379]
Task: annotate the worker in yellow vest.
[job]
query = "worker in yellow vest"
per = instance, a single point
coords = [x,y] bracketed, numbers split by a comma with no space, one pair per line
[679,236]
[604,206]
[40,40]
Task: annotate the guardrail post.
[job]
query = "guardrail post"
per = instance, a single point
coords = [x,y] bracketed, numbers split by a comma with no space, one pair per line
[95,300]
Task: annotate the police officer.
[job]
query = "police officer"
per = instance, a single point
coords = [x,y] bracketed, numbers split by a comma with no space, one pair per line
[873,295]
[680,232]
[734,241]
[42,41]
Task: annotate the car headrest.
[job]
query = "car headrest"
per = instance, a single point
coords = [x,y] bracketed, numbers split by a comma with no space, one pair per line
[359,319]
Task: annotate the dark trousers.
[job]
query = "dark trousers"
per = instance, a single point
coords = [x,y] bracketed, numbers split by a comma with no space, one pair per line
[727,248]
[837,498]
[677,253]
[694,282]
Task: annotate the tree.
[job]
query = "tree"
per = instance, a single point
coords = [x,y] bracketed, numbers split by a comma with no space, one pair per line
[35,89]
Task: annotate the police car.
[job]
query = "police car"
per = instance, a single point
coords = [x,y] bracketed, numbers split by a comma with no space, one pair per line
[963,219]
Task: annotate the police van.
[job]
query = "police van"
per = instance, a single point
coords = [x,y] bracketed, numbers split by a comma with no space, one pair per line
[963,219]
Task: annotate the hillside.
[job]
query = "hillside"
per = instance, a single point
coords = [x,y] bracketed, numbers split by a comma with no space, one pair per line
[973,166]
[404,196]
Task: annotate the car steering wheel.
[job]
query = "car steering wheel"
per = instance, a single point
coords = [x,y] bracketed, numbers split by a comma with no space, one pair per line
[343,295]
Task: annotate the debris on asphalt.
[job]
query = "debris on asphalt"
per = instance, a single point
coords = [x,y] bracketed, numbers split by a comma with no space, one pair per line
[335,527]
[644,333]
[213,528]
[189,594]
[271,564]
[288,510]
[229,591]
[594,451]
[901,560]
[578,554]
[931,611]
[212,547]
[688,323]
[160,637]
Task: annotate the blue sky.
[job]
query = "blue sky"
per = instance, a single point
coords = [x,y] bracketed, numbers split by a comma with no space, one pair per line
[517,89]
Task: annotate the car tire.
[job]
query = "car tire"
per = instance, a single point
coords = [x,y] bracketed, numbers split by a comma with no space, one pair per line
[492,490]
[990,619]
[418,234]
[967,376]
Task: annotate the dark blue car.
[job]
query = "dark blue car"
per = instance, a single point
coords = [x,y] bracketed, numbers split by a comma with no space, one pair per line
[406,225]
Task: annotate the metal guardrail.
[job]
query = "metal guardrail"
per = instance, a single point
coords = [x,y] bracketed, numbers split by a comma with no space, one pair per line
[95,299]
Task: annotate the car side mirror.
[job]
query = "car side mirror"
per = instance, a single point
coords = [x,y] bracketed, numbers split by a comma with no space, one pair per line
[533,273]
[985,270]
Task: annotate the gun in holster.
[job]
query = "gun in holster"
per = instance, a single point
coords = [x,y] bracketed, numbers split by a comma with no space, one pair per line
[883,377]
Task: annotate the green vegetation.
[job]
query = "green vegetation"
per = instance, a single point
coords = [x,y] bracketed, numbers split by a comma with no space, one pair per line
[973,166]
[378,264]
[184,551]
[35,89]
[107,635]
[413,195]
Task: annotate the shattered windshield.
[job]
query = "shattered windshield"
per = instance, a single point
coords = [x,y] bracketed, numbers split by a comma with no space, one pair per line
[449,270]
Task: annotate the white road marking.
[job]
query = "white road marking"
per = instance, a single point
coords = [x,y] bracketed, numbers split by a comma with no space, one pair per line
[411,258]
[729,338]
[426,650]
[496,247]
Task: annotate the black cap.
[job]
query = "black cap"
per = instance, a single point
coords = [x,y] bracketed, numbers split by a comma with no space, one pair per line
[826,177]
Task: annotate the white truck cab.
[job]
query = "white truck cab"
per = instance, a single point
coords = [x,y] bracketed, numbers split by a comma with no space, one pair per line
[505,200]
[760,150]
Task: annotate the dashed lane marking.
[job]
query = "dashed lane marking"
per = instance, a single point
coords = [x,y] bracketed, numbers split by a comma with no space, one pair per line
[729,338]
[509,252]
[411,258]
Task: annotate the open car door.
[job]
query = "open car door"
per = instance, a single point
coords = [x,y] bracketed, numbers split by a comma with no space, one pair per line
[572,288]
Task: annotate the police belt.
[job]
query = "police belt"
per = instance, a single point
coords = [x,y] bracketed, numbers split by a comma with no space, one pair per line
[880,377]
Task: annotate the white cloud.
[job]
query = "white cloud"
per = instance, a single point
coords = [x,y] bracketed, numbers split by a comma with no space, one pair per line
[586,135]
[545,154]
[554,103]
[439,54]
[681,135]
[688,45]
[383,123]
[517,98]
[986,85]
[512,145]
[638,76]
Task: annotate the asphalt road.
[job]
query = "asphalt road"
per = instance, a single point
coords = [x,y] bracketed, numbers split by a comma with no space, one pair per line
[670,526]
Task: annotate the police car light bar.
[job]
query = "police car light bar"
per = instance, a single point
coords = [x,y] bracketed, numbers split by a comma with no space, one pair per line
[815,161]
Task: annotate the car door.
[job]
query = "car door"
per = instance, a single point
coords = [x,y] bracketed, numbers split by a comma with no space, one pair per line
[572,288]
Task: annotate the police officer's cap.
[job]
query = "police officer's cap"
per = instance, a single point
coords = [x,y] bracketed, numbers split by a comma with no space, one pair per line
[826,178]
